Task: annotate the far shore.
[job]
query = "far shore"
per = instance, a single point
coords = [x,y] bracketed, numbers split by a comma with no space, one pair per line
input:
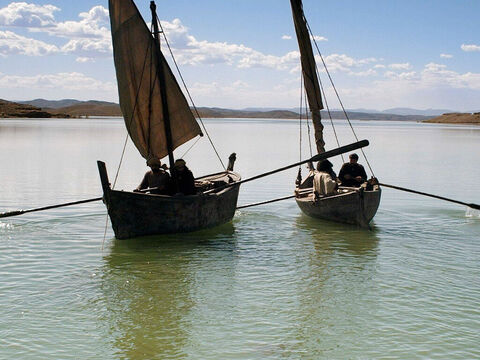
[74,109]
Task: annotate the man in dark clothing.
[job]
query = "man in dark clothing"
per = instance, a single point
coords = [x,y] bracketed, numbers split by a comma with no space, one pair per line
[352,173]
[156,178]
[184,178]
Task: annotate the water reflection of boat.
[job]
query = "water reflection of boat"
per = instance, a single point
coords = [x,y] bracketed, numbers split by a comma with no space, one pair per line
[150,289]
[328,236]
[158,120]
[350,205]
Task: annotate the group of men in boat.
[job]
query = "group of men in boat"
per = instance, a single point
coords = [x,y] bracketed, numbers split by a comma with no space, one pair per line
[326,182]
[159,181]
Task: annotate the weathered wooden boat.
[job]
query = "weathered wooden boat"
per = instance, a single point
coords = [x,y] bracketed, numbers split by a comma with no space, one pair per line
[355,206]
[349,205]
[158,120]
[136,214]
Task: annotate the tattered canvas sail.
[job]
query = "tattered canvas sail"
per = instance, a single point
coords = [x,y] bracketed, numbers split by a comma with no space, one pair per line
[310,79]
[137,66]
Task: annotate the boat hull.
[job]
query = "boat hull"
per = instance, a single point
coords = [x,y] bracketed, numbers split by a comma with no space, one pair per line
[137,214]
[356,207]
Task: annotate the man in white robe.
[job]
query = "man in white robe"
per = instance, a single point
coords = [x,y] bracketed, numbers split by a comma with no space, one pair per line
[323,183]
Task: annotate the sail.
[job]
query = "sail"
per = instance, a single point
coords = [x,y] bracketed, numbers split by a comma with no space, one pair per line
[310,79]
[138,65]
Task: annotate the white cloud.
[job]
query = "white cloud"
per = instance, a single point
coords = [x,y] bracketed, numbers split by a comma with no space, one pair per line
[400,76]
[84,59]
[319,38]
[286,37]
[419,89]
[379,66]
[437,75]
[90,36]
[93,24]
[63,81]
[446,56]
[13,44]
[470,47]
[240,94]
[342,62]
[27,15]
[88,47]
[369,72]
[402,66]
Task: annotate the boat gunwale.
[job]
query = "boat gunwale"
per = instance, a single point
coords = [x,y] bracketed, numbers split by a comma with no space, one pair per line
[354,191]
[186,197]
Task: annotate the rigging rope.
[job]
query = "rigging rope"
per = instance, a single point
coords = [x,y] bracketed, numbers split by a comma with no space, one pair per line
[336,93]
[191,147]
[308,126]
[188,93]
[300,117]
[328,110]
[131,117]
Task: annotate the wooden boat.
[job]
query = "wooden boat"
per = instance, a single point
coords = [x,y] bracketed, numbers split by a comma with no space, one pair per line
[158,120]
[355,206]
[135,214]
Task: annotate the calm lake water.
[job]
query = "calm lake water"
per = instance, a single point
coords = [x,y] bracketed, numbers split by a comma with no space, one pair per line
[273,284]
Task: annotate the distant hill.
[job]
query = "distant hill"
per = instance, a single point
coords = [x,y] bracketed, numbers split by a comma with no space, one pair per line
[52,104]
[457,118]
[76,108]
[206,112]
[90,108]
[287,114]
[9,109]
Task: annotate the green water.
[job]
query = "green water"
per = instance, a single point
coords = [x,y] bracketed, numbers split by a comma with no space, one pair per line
[273,284]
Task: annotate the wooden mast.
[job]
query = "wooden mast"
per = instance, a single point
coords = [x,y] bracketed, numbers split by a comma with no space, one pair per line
[309,71]
[161,79]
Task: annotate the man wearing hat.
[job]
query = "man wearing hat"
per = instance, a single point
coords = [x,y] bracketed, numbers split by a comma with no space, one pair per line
[157,178]
[184,178]
[352,173]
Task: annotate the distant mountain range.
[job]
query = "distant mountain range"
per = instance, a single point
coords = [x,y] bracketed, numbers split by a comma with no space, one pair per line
[77,108]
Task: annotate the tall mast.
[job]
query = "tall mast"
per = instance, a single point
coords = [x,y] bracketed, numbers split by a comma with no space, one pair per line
[309,70]
[161,79]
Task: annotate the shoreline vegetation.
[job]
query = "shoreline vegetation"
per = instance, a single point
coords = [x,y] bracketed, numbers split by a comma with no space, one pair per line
[70,108]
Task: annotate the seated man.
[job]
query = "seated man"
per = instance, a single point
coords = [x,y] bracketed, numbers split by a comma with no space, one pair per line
[323,183]
[184,178]
[156,178]
[352,173]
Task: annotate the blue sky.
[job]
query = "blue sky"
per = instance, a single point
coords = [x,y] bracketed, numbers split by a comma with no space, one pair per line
[243,53]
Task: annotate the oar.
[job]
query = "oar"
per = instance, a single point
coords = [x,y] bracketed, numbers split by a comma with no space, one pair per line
[20,212]
[471,205]
[318,157]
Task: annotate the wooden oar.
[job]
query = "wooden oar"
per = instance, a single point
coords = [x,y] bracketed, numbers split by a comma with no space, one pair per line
[471,205]
[20,212]
[318,157]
